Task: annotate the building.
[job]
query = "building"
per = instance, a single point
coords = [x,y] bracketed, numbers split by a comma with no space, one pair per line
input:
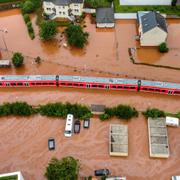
[118,140]
[158,138]
[152,28]
[145,2]
[105,18]
[13,176]
[63,8]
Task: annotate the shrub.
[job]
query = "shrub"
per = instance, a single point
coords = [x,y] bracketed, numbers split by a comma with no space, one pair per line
[26,18]
[163,48]
[154,113]
[28,7]
[17,59]
[61,110]
[48,30]
[104,117]
[65,169]
[90,178]
[16,108]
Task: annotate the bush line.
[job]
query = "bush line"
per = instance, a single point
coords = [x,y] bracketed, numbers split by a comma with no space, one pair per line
[79,111]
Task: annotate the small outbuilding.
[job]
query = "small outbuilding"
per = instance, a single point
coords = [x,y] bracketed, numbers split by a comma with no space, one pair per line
[152,28]
[105,18]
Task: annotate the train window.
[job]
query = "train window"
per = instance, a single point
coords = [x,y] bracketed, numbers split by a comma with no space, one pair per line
[151,89]
[81,85]
[113,86]
[0,84]
[38,83]
[13,84]
[69,84]
[163,90]
[76,84]
[44,83]
[119,87]
[88,85]
[33,84]
[158,90]
[100,86]
[19,84]
[126,87]
[51,83]
[94,85]
[176,92]
[7,84]
[132,87]
[107,86]
[144,89]
[62,83]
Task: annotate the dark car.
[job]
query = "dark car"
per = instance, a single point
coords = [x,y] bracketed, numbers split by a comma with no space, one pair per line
[51,143]
[102,172]
[77,126]
[86,123]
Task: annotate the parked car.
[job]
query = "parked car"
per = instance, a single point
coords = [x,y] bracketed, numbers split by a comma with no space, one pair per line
[51,143]
[86,123]
[77,126]
[102,172]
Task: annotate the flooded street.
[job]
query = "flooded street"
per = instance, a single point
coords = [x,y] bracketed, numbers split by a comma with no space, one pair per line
[107,47]
[23,141]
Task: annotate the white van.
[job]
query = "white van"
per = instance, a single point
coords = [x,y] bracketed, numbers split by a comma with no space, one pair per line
[69,125]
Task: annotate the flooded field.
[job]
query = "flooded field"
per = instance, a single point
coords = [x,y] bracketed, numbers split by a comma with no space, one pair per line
[23,141]
[153,56]
[107,47]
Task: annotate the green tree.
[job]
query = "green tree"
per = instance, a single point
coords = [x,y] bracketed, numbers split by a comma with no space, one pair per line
[163,47]
[28,7]
[173,2]
[76,36]
[154,113]
[26,18]
[17,59]
[48,30]
[65,169]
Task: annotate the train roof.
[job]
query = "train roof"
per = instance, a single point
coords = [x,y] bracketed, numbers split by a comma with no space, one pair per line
[28,78]
[160,84]
[98,80]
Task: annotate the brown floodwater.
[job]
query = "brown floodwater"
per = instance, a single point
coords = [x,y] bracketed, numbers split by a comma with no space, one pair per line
[23,141]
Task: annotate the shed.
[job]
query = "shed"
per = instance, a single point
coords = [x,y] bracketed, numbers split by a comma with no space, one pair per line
[97,109]
[105,18]
[152,28]
[172,121]
[118,140]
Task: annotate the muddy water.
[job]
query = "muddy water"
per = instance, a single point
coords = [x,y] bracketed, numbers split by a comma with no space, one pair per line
[152,55]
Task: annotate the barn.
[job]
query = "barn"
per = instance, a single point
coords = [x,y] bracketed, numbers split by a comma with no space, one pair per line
[152,28]
[105,18]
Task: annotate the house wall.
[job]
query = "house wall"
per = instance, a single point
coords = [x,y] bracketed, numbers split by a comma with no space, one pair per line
[103,25]
[63,11]
[145,2]
[153,38]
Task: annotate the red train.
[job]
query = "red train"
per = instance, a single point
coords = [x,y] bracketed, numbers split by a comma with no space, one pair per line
[90,82]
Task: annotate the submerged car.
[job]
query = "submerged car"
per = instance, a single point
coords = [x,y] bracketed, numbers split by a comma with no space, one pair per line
[86,123]
[77,126]
[102,172]
[51,143]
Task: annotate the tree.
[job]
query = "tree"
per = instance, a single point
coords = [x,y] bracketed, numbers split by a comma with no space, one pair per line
[154,113]
[65,169]
[173,3]
[76,36]
[17,59]
[163,48]
[48,30]
[28,7]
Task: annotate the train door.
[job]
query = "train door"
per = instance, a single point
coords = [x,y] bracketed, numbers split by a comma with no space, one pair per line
[88,85]
[107,86]
[170,92]
[26,84]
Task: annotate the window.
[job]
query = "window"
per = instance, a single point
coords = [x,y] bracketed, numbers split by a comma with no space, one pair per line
[94,85]
[26,84]
[119,87]
[19,84]
[59,12]
[63,7]
[0,84]
[7,84]
[63,13]
[13,84]
[48,9]
[51,83]
[76,10]
[114,87]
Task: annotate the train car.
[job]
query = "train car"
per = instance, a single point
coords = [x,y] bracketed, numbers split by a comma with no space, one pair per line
[160,87]
[98,83]
[27,81]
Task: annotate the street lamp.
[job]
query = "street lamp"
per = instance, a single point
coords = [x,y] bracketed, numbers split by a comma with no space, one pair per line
[4,31]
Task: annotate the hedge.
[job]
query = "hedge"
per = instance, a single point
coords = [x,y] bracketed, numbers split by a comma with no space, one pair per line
[120,111]
[154,113]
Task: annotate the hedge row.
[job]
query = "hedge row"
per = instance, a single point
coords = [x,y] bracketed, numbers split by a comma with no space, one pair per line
[30,29]
[120,111]
[50,110]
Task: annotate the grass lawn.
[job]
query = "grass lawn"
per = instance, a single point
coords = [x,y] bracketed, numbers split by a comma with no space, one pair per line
[97,3]
[163,9]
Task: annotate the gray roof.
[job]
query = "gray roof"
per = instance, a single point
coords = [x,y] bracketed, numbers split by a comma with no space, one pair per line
[151,20]
[104,15]
[64,2]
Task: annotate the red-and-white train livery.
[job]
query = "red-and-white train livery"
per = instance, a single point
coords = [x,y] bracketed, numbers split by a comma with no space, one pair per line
[90,82]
